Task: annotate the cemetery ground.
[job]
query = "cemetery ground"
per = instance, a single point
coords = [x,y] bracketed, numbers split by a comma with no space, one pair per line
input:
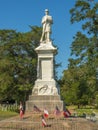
[32,121]
[7,114]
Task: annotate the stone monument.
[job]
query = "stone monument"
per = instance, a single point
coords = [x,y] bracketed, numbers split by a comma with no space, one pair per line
[45,93]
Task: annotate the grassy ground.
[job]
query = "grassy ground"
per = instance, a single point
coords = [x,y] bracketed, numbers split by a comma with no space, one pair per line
[72,109]
[32,121]
[7,114]
[87,109]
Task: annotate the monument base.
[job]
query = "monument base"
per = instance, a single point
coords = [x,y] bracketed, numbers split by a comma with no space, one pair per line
[45,93]
[43,87]
[44,101]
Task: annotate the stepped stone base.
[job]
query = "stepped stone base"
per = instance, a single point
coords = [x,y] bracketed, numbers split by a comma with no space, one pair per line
[44,101]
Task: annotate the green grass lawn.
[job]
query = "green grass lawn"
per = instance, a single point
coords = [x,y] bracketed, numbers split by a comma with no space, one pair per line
[87,110]
[7,114]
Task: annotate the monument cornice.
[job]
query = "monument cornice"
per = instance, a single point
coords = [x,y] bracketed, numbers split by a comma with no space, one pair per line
[48,47]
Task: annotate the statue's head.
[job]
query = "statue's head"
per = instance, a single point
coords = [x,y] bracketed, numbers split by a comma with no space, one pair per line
[46,10]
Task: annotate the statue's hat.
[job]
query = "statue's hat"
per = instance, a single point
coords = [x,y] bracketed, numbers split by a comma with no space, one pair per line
[46,10]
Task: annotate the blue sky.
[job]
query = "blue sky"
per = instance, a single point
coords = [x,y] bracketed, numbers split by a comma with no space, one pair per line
[19,14]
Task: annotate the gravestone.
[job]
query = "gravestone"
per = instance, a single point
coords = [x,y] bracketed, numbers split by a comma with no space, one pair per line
[45,93]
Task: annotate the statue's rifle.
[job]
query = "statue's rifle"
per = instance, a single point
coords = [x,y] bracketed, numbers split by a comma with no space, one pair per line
[43,33]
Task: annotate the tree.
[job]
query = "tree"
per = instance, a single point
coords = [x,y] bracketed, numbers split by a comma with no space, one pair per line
[84,48]
[18,63]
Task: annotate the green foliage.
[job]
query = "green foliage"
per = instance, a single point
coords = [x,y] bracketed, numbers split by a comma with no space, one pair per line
[18,63]
[96,99]
[79,82]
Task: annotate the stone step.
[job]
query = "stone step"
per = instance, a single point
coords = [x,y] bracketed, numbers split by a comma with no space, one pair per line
[44,101]
[50,105]
[44,97]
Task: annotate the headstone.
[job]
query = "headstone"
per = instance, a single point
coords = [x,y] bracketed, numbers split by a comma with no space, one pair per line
[45,93]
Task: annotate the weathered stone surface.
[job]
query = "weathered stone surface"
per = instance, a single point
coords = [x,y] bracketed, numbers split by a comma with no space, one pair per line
[45,83]
[45,92]
[47,101]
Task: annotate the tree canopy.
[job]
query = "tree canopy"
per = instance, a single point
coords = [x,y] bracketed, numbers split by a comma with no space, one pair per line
[80,81]
[18,63]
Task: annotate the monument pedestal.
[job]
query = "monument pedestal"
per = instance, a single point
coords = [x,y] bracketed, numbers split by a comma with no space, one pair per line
[44,101]
[45,93]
